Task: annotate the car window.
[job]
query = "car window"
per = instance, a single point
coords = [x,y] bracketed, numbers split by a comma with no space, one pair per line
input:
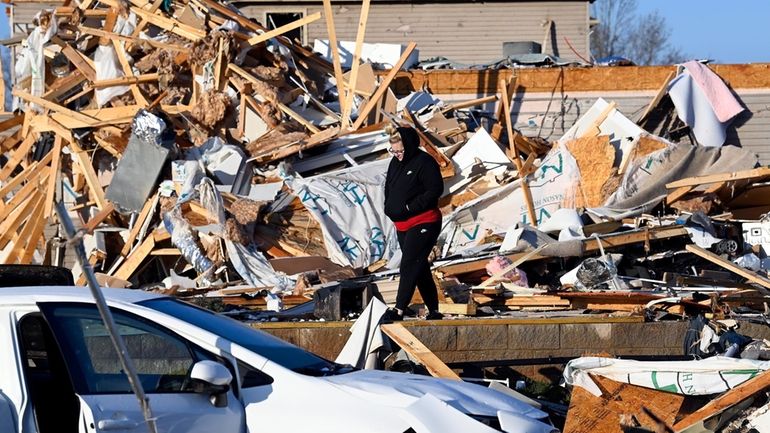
[162,359]
[272,348]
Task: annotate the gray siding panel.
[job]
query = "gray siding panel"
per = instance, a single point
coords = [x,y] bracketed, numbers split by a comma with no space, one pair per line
[462,32]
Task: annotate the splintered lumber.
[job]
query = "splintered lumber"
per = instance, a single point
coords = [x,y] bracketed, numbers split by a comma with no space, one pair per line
[590,246]
[19,154]
[50,190]
[87,170]
[130,39]
[730,266]
[99,218]
[135,259]
[516,158]
[355,63]
[134,79]
[728,399]
[755,173]
[468,104]
[496,277]
[590,414]
[128,72]
[254,40]
[138,223]
[678,193]
[364,113]
[329,15]
[414,347]
[662,91]
[79,116]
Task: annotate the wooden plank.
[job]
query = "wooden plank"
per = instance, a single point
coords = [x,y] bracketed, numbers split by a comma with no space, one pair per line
[146,209]
[590,246]
[19,154]
[497,276]
[37,226]
[593,129]
[662,91]
[128,72]
[11,224]
[469,103]
[166,252]
[122,81]
[133,40]
[414,347]
[457,309]
[135,259]
[12,122]
[87,170]
[166,23]
[22,238]
[678,193]
[516,159]
[254,40]
[50,190]
[383,87]
[329,15]
[755,173]
[730,266]
[728,399]
[99,218]
[80,63]
[79,116]
[355,64]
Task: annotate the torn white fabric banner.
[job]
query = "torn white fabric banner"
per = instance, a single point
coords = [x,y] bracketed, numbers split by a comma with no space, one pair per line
[349,206]
[31,60]
[692,92]
[552,187]
[701,377]
[254,267]
[478,156]
[365,339]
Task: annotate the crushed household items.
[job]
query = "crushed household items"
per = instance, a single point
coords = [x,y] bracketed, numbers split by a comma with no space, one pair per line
[210,158]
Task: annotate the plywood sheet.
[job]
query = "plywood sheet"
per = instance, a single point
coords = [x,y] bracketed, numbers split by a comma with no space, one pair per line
[595,157]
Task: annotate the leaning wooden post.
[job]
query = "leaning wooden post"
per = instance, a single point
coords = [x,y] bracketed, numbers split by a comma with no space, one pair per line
[514,153]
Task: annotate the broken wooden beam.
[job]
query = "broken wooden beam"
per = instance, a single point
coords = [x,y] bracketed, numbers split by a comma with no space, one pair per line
[414,347]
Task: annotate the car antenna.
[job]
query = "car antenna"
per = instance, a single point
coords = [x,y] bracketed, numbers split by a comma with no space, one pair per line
[75,238]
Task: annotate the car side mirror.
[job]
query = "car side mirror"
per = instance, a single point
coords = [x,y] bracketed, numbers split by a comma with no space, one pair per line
[213,378]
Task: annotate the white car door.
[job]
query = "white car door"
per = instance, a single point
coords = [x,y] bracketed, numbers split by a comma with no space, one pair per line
[163,361]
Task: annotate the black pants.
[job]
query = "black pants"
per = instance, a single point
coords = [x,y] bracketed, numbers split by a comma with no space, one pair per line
[416,245]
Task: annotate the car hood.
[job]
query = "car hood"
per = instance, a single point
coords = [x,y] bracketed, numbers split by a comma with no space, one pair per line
[402,390]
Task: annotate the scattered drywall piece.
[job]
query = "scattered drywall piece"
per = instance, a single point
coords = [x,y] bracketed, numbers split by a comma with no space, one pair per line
[365,338]
[595,157]
[385,55]
[479,156]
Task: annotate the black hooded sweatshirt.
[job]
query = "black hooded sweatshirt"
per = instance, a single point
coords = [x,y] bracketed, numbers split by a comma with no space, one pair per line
[413,185]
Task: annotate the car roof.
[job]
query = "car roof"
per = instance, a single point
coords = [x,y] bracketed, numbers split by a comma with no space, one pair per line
[32,295]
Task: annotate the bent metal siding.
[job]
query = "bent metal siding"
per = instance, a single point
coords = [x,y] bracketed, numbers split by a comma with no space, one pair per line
[462,31]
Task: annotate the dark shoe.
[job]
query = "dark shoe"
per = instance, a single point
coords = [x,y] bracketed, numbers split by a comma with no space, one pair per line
[392,315]
[434,315]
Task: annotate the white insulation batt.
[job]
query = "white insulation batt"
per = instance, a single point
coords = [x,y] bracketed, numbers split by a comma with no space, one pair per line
[701,377]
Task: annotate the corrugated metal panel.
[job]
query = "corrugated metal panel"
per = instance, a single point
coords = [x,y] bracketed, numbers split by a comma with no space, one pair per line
[750,130]
[23,13]
[462,32]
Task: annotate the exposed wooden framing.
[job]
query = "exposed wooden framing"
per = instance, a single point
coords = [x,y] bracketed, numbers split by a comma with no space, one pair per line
[515,153]
[133,79]
[728,399]
[722,177]
[254,40]
[11,225]
[135,259]
[332,31]
[678,194]
[110,116]
[656,100]
[133,40]
[355,64]
[123,60]
[99,218]
[87,170]
[23,237]
[148,207]
[730,266]
[11,122]
[53,179]
[414,347]
[19,154]
[590,246]
[23,193]
[37,226]
[143,22]
[79,116]
[81,63]
[383,87]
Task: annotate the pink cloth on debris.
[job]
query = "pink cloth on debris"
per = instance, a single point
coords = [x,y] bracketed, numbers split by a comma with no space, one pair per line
[515,276]
[722,101]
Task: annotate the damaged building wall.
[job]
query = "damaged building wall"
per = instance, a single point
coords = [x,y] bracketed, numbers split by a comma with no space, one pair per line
[464,32]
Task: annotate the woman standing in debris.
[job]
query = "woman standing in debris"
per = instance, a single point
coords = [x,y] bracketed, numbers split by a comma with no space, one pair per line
[412,188]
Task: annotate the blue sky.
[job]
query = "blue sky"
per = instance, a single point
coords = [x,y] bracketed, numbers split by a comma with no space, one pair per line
[727,32]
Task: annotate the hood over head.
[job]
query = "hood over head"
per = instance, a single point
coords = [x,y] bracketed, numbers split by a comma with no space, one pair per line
[411,142]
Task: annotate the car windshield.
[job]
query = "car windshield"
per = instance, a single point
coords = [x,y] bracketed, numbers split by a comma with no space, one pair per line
[272,348]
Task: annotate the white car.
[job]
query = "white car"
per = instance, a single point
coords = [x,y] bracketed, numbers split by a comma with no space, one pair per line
[206,373]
